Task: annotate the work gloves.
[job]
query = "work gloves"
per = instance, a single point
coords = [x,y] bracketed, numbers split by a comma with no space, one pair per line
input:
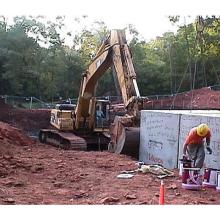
[209,150]
[184,157]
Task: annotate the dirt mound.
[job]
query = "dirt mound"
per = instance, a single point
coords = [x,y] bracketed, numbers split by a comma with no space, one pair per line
[14,135]
[12,142]
[33,173]
[29,120]
[204,98]
[25,119]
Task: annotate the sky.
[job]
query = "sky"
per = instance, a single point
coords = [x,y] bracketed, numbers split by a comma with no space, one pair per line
[150,17]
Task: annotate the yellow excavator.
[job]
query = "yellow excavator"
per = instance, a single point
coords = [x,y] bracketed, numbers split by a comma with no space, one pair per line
[80,127]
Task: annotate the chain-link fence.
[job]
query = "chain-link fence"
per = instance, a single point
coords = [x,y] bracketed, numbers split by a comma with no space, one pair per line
[25,102]
[168,101]
[33,102]
[204,98]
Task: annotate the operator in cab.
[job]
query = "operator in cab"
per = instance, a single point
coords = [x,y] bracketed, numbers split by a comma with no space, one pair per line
[99,116]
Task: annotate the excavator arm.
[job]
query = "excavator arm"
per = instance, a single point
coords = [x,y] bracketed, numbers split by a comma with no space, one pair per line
[115,53]
[85,108]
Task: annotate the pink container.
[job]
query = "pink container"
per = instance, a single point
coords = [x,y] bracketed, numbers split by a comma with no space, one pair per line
[210,178]
[191,179]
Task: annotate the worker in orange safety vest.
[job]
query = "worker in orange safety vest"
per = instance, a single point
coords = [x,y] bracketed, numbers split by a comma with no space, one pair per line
[193,147]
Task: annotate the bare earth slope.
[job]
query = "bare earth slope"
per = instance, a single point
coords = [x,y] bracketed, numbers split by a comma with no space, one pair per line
[32,173]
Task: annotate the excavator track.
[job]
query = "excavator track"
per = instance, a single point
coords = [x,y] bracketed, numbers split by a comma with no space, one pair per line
[64,140]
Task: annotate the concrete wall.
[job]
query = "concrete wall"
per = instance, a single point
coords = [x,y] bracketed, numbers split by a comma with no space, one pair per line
[159,138]
[162,134]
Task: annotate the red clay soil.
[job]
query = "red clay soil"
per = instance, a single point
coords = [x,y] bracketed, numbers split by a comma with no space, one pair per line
[203,98]
[27,120]
[33,173]
[14,135]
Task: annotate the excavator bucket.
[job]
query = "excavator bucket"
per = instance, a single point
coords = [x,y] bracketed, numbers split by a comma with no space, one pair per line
[125,139]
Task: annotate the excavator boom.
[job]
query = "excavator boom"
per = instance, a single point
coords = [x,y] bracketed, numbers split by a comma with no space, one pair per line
[114,53]
[124,131]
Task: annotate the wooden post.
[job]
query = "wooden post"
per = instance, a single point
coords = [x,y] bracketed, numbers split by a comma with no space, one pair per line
[31,102]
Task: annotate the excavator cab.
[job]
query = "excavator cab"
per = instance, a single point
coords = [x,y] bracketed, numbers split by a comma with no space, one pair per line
[102,115]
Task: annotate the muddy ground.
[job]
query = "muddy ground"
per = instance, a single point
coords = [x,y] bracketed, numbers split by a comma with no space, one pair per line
[33,173]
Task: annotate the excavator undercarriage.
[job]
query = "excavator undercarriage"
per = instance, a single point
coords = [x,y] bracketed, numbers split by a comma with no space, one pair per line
[71,141]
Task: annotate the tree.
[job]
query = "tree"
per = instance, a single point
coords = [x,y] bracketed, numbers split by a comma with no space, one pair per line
[35,60]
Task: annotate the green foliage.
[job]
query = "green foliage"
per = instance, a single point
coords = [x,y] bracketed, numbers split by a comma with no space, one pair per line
[90,39]
[29,69]
[34,60]
[170,63]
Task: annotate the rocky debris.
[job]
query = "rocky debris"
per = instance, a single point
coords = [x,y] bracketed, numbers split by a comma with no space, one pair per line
[172,186]
[15,183]
[9,200]
[80,194]
[130,196]
[177,194]
[157,194]
[201,202]
[58,184]
[3,172]
[109,200]
[37,168]
[212,199]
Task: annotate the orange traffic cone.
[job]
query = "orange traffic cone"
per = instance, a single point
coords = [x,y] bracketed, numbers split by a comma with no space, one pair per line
[161,198]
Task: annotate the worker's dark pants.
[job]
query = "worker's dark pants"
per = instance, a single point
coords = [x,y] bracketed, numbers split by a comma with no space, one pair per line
[196,153]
